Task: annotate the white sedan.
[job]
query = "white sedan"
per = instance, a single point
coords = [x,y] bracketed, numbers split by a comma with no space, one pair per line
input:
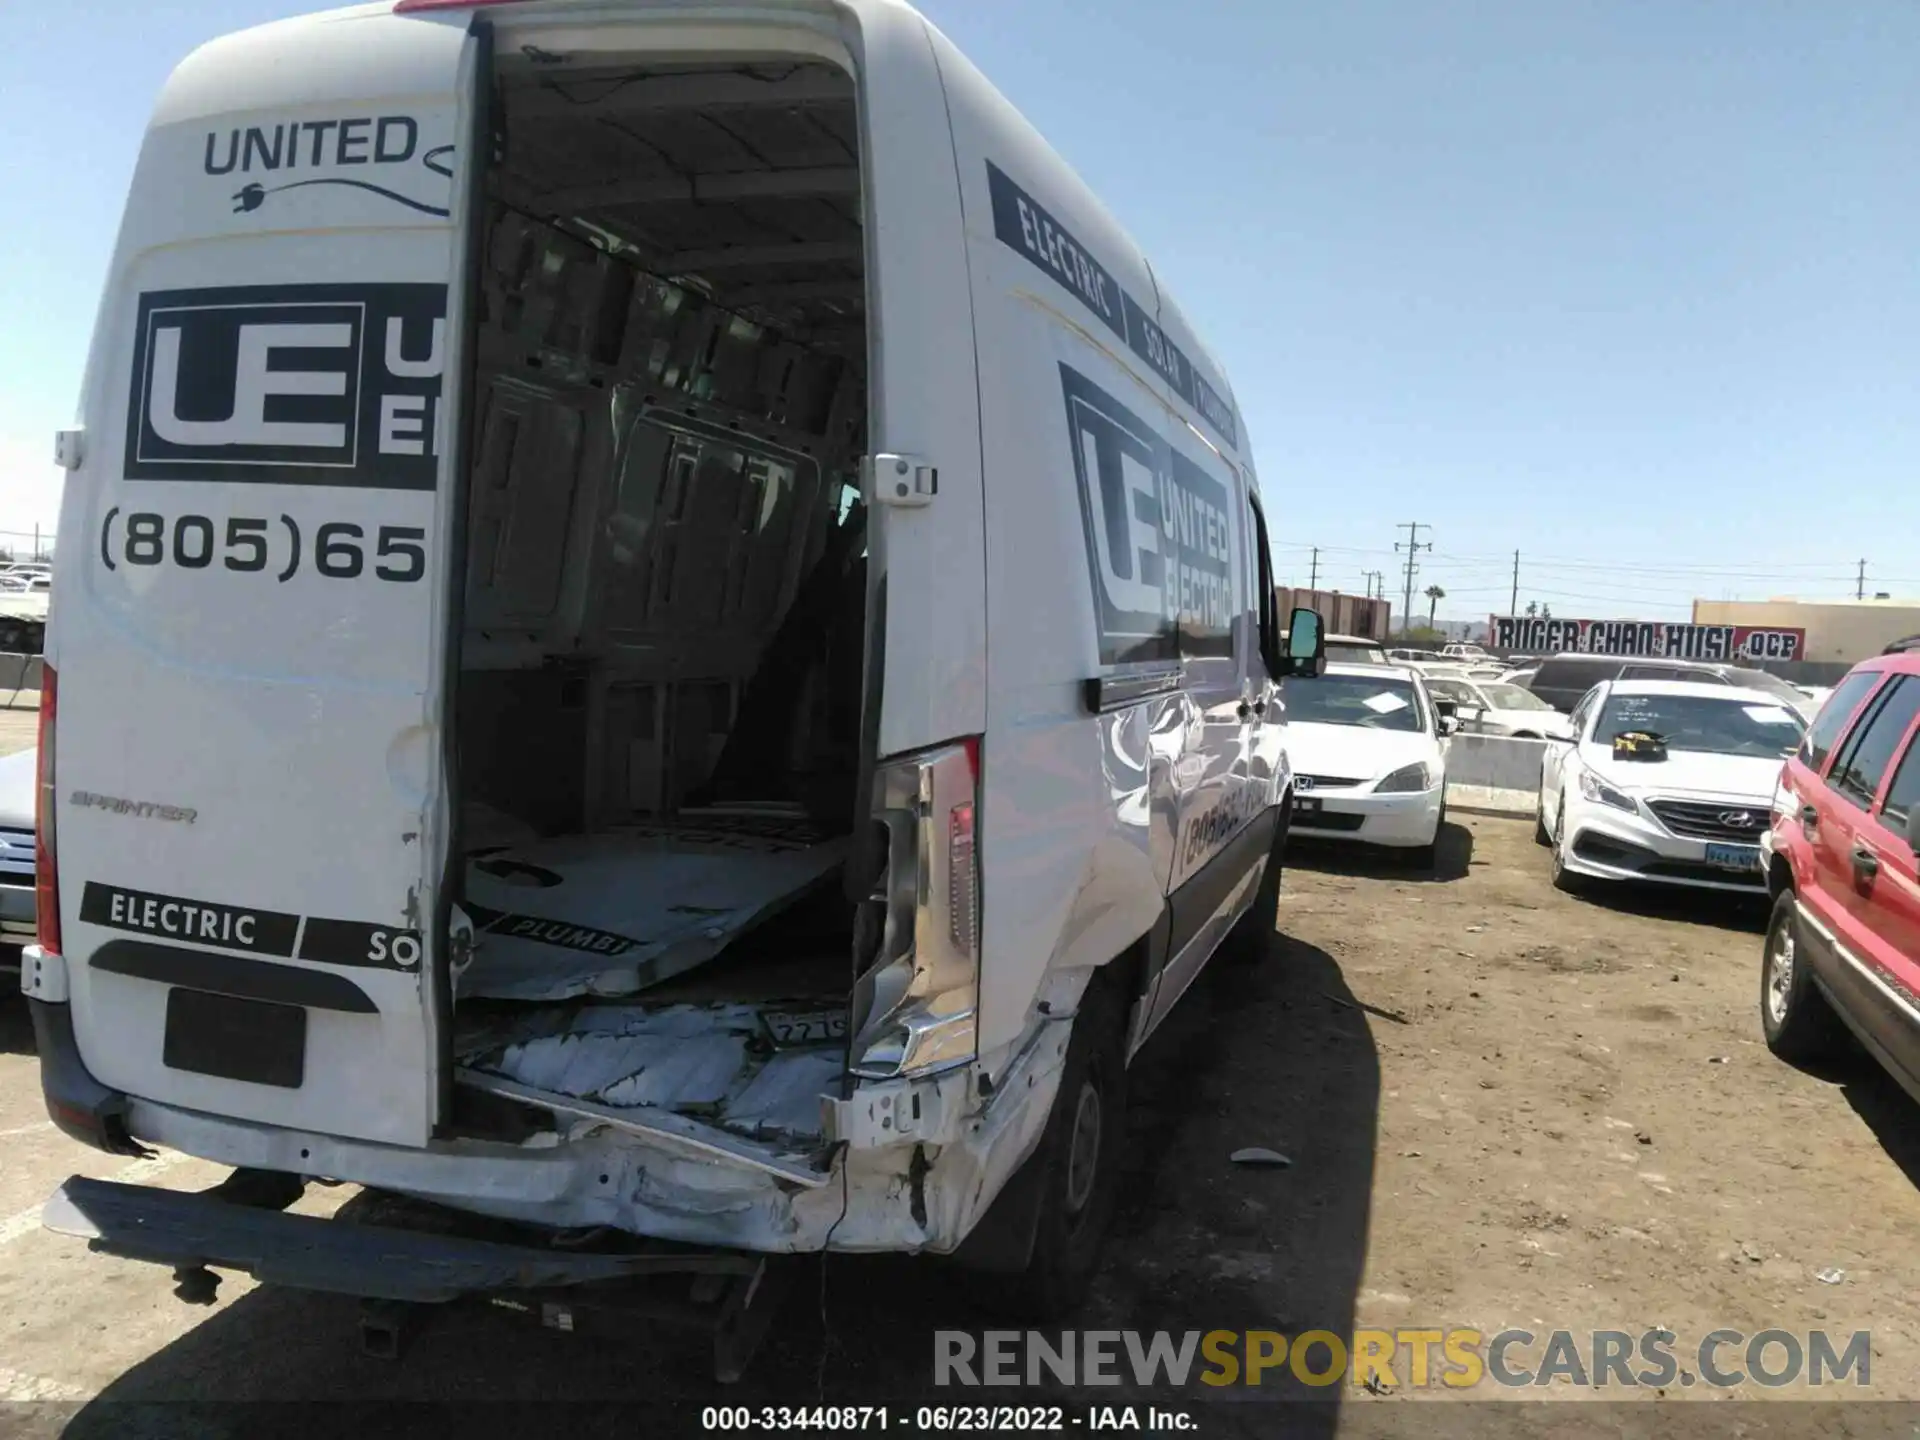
[1488,707]
[1665,781]
[1364,743]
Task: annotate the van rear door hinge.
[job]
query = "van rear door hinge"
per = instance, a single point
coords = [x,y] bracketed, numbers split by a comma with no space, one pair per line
[68,449]
[904,481]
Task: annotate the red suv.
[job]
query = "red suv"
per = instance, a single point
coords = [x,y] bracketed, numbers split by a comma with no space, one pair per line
[1844,939]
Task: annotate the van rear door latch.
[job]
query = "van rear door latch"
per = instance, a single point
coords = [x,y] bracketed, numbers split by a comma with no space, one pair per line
[905,481]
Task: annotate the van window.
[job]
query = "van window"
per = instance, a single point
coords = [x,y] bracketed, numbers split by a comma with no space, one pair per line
[1574,674]
[1870,749]
[1662,672]
[1832,719]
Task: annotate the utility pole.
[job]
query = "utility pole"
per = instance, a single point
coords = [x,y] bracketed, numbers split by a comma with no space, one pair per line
[1373,578]
[1313,575]
[1413,547]
[1513,605]
[1860,583]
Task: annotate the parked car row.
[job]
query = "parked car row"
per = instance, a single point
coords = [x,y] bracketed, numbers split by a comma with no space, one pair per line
[1722,781]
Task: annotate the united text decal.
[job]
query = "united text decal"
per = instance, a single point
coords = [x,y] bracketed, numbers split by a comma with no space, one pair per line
[1160,534]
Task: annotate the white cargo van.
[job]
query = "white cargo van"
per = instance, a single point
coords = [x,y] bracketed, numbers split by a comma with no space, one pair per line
[662,632]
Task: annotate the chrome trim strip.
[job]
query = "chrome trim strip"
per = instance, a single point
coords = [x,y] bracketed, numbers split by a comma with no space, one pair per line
[1908,1003]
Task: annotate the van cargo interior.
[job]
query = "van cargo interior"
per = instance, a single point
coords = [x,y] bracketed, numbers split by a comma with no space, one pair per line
[660,675]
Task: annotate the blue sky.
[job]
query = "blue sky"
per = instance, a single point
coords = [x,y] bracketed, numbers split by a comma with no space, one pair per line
[1629,286]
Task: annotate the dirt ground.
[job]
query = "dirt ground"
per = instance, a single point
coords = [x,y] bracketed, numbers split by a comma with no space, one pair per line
[1501,1106]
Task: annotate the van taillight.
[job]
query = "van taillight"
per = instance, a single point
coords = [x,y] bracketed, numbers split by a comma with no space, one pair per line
[46,875]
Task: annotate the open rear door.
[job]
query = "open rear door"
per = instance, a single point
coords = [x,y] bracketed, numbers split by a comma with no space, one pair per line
[253,606]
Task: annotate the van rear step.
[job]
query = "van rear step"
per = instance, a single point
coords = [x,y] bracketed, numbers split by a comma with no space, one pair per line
[398,1271]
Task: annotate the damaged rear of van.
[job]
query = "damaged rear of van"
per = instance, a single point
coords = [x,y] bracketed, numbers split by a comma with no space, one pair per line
[662,636]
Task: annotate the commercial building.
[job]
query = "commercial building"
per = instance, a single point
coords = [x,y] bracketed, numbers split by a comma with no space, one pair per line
[1839,632]
[1339,614]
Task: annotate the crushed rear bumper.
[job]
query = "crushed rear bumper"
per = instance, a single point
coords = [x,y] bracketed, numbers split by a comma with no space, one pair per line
[166,1227]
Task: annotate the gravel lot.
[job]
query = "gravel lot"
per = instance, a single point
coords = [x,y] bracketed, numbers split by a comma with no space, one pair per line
[1503,1106]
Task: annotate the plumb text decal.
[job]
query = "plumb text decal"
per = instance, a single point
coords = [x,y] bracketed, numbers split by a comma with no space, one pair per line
[1159,533]
[1024,224]
[292,384]
[1646,637]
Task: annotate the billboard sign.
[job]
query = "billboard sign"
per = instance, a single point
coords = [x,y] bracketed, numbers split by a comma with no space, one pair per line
[1656,639]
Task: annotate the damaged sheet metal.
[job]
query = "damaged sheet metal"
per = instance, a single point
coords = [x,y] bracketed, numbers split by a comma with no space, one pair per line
[666,1068]
[613,912]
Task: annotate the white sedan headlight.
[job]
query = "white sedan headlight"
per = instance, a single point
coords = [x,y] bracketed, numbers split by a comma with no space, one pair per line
[1407,780]
[1594,788]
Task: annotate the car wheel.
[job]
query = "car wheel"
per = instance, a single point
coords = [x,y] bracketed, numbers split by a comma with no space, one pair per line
[1427,856]
[1564,880]
[1524,735]
[1795,1017]
[1080,1156]
[1540,835]
[1252,933]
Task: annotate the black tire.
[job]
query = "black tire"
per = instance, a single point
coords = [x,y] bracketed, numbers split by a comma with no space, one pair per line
[1795,1017]
[1564,880]
[1540,835]
[1427,857]
[1076,1207]
[1252,934]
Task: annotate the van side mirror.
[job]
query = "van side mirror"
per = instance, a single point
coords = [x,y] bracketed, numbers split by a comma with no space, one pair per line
[1306,647]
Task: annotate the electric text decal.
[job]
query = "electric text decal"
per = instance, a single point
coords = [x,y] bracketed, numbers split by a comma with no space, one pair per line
[1160,534]
[292,384]
[1646,637]
[1023,223]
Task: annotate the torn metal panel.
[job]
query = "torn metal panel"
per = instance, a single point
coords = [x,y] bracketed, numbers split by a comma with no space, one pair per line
[613,912]
[674,1132]
[715,1067]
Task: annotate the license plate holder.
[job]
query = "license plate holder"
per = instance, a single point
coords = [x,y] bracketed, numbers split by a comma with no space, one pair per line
[260,1042]
[791,1029]
[1734,857]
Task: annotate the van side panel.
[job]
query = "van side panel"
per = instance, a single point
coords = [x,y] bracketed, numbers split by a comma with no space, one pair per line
[1083,813]
[248,588]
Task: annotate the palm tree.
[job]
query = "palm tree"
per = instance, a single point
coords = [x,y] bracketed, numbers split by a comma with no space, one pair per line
[1434,596]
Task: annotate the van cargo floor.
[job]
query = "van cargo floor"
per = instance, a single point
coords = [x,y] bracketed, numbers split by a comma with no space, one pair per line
[616,911]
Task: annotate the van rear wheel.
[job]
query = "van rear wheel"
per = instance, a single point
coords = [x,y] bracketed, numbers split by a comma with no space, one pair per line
[1080,1177]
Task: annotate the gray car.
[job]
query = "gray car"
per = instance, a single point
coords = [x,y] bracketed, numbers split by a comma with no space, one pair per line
[17,780]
